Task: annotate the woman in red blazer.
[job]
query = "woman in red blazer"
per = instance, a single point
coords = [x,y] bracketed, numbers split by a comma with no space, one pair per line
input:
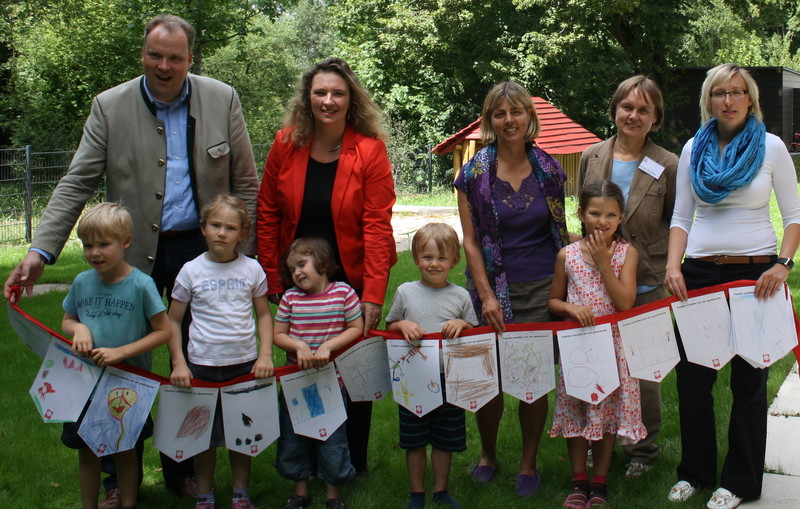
[328,175]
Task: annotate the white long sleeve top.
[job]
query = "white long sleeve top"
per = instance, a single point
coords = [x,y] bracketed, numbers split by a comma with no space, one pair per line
[740,224]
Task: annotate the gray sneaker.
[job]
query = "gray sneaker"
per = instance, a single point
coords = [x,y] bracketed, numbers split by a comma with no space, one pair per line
[636,469]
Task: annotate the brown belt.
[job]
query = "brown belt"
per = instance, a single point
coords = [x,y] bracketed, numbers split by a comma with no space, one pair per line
[724,259]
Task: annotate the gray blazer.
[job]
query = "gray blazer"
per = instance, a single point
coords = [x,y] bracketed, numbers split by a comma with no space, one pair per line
[124,140]
[649,208]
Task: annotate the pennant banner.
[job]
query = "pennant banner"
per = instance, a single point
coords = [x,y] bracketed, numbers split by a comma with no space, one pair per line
[470,370]
[64,383]
[363,371]
[118,411]
[315,402]
[760,331]
[588,362]
[527,364]
[184,420]
[414,370]
[249,416]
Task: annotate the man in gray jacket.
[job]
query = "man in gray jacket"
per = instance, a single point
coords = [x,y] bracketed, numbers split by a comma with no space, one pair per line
[167,142]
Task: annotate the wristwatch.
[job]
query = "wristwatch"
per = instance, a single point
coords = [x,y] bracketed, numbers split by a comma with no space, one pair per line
[786,262]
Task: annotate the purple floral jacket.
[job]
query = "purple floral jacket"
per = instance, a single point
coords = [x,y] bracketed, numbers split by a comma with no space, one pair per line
[475,180]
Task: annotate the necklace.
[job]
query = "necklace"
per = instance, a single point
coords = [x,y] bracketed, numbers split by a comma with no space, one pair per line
[331,150]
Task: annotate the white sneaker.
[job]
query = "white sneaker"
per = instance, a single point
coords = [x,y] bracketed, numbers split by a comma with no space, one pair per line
[636,469]
[723,499]
[681,492]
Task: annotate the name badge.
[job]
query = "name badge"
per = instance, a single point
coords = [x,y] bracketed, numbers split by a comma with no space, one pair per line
[651,167]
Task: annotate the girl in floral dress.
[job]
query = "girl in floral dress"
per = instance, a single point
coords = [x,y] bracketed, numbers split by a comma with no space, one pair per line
[593,277]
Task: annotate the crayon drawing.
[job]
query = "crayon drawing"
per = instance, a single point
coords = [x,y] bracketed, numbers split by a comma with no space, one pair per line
[250,415]
[34,337]
[64,383]
[527,364]
[588,362]
[315,402]
[119,408]
[362,367]
[184,419]
[705,326]
[470,370]
[414,372]
[763,329]
[651,348]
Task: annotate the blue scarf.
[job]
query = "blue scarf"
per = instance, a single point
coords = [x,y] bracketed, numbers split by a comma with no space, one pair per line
[714,178]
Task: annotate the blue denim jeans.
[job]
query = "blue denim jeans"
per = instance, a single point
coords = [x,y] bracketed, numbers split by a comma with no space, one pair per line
[299,457]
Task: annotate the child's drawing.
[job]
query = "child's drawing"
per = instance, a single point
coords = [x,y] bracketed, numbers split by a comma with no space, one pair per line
[705,326]
[763,329]
[415,374]
[315,402]
[64,384]
[34,337]
[250,415]
[184,420]
[651,347]
[362,367]
[588,362]
[118,411]
[470,370]
[527,364]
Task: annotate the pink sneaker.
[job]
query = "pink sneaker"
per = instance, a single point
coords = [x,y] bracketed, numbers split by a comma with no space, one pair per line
[242,503]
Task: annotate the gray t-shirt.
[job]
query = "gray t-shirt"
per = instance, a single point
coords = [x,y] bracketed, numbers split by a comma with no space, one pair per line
[429,307]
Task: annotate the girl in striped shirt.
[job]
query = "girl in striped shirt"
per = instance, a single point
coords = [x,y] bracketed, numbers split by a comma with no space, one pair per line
[315,318]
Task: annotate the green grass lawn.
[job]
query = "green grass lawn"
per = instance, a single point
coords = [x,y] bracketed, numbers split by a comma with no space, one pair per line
[37,471]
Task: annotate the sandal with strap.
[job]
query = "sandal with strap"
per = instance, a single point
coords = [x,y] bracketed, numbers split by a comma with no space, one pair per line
[597,500]
[577,499]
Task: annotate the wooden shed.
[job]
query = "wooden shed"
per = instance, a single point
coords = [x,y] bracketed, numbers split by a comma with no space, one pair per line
[560,137]
[779,96]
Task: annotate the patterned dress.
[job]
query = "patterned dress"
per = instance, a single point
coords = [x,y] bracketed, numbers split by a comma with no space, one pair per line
[620,413]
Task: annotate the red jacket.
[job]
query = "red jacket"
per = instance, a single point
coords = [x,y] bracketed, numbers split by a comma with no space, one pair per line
[363,195]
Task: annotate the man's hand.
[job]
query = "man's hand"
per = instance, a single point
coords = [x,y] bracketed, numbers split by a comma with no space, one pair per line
[25,274]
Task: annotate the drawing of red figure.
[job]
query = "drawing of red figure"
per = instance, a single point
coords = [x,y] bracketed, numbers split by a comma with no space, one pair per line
[71,365]
[45,390]
[323,432]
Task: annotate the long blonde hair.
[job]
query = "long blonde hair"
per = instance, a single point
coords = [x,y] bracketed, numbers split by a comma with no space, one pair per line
[363,114]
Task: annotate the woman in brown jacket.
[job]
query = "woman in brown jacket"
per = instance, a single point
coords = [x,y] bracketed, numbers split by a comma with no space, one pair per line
[646,174]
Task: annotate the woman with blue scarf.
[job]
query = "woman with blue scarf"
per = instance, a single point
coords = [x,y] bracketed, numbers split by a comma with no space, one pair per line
[721,222]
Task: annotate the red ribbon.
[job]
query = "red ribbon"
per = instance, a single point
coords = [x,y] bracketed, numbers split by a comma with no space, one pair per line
[551,326]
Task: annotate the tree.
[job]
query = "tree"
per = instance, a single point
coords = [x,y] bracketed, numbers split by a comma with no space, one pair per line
[265,65]
[68,51]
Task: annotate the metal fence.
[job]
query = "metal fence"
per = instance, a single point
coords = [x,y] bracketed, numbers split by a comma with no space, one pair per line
[27,180]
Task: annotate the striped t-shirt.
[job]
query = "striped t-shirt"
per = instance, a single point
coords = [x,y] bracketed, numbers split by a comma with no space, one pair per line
[316,318]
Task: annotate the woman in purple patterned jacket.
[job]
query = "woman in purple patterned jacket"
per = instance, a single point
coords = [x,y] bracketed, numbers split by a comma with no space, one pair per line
[511,203]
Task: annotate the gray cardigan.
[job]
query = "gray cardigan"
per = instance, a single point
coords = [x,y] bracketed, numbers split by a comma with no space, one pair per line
[124,140]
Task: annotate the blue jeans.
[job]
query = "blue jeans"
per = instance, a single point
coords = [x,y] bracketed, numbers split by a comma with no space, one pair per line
[299,457]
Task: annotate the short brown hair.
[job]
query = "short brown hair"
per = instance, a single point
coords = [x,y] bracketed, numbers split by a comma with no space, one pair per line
[171,22]
[518,96]
[318,249]
[443,235]
[645,87]
[226,200]
[107,219]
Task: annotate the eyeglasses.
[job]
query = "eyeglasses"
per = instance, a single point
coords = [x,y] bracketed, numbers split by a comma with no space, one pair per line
[719,95]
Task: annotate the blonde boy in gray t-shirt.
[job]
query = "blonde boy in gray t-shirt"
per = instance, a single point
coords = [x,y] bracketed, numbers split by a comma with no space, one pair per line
[430,305]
